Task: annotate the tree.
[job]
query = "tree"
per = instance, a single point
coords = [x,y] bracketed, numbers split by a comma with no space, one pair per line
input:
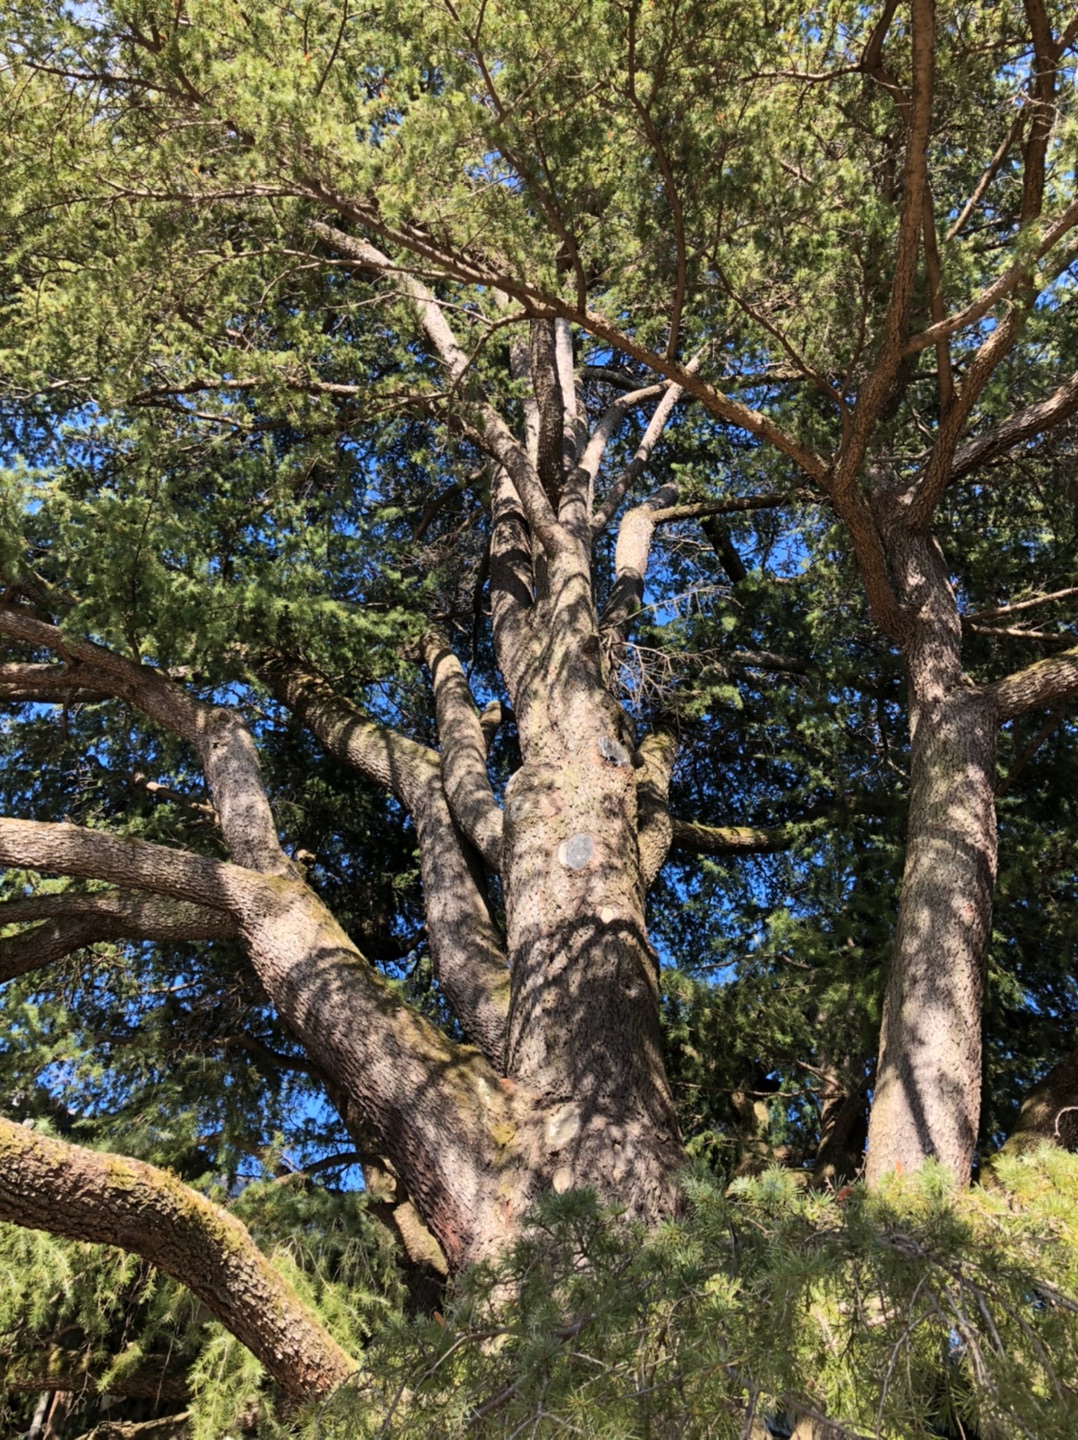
[325,332]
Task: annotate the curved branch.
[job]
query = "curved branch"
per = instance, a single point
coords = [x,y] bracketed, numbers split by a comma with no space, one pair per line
[221,740]
[466,950]
[1016,275]
[635,468]
[66,922]
[108,1199]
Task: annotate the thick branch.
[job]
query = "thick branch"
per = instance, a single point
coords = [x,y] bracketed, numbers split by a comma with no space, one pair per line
[466,949]
[1052,681]
[69,921]
[631,554]
[82,1194]
[463,753]
[655,830]
[1049,1113]
[48,684]
[96,855]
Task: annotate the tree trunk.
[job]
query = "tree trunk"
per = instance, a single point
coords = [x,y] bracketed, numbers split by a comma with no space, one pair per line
[928,1085]
[584,1039]
[1049,1113]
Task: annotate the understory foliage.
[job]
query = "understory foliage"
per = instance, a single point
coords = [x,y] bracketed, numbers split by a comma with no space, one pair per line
[915,1311]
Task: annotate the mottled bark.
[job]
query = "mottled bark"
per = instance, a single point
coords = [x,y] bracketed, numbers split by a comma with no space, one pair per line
[433,1105]
[928,1083]
[83,1194]
[584,1040]
[463,752]
[840,1154]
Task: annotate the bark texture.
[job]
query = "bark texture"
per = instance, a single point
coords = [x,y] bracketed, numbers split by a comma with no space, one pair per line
[86,1195]
[1049,1113]
[928,1082]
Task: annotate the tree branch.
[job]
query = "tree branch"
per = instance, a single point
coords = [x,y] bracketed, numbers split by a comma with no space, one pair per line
[22,684]
[731,839]
[62,849]
[1022,425]
[107,1199]
[635,468]
[1051,681]
[68,921]
[495,435]
[219,737]
[1014,276]
[463,752]
[657,752]
[466,949]
[631,554]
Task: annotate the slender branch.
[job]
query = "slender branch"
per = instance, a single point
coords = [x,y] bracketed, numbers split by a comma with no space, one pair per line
[670,189]
[907,249]
[736,505]
[608,425]
[69,921]
[990,173]
[937,473]
[1001,611]
[1016,275]
[540,302]
[635,468]
[496,435]
[1021,426]
[86,1195]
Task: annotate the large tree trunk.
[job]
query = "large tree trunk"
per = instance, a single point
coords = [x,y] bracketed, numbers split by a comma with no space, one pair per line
[928,1085]
[584,1037]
